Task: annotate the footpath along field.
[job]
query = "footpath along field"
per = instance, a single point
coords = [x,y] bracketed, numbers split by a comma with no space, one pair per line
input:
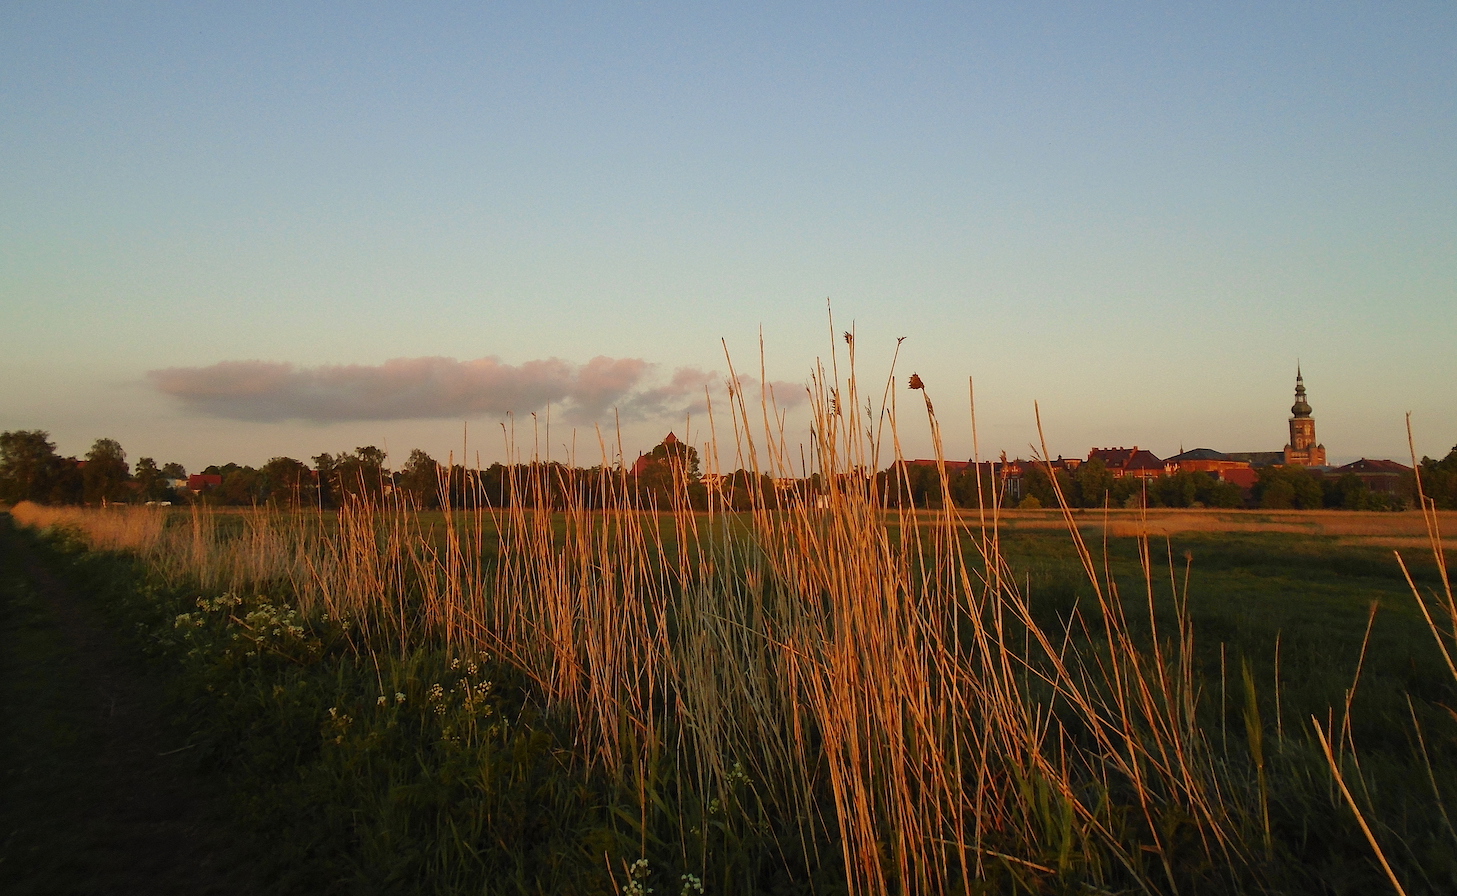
[813,700]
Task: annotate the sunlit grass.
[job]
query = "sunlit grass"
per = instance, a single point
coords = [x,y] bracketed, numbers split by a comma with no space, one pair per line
[887,692]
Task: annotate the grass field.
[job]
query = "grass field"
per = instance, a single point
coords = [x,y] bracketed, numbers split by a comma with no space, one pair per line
[1343,527]
[575,695]
[1275,606]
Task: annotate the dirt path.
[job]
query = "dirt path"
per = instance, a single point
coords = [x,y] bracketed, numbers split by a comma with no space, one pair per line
[99,793]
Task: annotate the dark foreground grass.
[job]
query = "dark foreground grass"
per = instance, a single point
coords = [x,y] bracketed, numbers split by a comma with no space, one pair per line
[99,793]
[433,772]
[353,772]
[1259,597]
[350,774]
[1291,627]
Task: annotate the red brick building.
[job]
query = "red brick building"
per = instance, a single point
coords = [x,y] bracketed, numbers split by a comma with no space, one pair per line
[1135,462]
[1220,466]
[199,481]
[1386,477]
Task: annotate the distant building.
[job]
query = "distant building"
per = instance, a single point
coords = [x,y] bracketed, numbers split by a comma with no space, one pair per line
[1135,462]
[953,467]
[1010,474]
[199,481]
[1383,476]
[1258,459]
[1302,450]
[1224,467]
[1237,467]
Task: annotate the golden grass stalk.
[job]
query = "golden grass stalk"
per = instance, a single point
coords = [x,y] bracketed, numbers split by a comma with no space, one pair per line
[1340,779]
[1442,636]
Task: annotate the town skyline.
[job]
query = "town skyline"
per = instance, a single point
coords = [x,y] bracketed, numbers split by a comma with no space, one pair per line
[473,454]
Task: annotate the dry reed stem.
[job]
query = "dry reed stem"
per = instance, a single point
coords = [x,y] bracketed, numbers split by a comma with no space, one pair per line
[1351,801]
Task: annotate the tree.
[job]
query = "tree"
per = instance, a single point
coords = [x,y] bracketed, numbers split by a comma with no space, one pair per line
[242,487]
[151,481]
[1095,485]
[324,467]
[677,453]
[1284,488]
[1037,484]
[914,485]
[29,467]
[359,473]
[1179,490]
[1223,494]
[1439,480]
[743,490]
[68,486]
[1278,494]
[288,483]
[666,470]
[105,474]
[420,479]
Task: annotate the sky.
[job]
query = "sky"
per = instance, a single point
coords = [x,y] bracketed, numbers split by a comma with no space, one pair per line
[230,232]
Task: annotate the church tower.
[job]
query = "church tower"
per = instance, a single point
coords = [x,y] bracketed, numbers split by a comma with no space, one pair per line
[1302,449]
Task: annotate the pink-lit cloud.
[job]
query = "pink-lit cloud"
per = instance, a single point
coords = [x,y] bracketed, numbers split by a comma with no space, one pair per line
[434,388]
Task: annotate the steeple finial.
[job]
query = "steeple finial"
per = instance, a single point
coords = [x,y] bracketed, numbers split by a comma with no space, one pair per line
[1301,407]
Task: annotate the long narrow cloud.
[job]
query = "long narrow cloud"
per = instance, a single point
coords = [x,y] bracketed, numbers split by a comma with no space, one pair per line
[425,388]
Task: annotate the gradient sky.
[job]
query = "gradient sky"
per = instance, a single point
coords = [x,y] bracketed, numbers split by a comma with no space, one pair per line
[1139,215]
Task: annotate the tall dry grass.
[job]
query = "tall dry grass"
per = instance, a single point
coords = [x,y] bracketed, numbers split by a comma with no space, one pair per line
[120,527]
[1439,610]
[873,672]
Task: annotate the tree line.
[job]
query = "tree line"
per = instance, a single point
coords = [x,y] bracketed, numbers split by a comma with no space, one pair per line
[31,470]
[1093,485]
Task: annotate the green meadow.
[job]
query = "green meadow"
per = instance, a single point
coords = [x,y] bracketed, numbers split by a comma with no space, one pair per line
[819,699]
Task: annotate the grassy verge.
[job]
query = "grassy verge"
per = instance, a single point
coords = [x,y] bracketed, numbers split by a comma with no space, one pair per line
[100,793]
[353,772]
[819,695]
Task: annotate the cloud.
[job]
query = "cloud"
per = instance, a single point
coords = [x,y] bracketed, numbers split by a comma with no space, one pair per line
[400,389]
[435,388]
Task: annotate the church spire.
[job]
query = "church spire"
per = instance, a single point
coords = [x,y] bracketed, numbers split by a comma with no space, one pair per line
[1303,448]
[1301,408]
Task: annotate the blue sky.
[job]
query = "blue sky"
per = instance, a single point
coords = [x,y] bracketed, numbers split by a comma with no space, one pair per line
[1138,215]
